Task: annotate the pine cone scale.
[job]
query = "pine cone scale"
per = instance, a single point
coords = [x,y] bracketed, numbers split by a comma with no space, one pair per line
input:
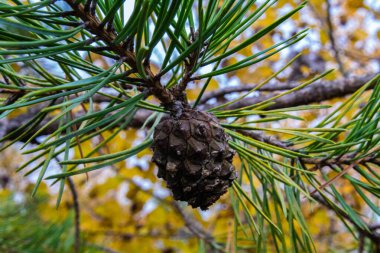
[193,157]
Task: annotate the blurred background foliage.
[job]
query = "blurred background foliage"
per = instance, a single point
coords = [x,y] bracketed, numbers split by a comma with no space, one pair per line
[125,208]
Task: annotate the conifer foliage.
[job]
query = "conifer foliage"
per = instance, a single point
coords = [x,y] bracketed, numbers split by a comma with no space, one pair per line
[76,72]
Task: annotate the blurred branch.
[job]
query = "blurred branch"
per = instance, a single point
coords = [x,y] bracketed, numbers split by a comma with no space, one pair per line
[192,224]
[195,229]
[328,24]
[74,194]
[219,93]
[374,227]
[330,32]
[317,92]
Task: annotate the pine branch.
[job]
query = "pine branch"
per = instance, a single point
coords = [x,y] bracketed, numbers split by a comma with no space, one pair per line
[131,45]
[94,25]
[319,163]
[320,91]
[371,233]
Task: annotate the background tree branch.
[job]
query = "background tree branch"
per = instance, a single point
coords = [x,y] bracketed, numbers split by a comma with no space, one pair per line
[320,91]
[317,92]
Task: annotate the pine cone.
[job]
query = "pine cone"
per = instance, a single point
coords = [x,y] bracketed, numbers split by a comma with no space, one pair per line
[193,157]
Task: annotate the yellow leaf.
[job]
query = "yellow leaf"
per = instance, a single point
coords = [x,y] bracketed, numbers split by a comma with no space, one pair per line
[323,37]
[354,4]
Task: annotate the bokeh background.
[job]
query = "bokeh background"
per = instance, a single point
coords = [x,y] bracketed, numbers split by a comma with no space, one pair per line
[126,208]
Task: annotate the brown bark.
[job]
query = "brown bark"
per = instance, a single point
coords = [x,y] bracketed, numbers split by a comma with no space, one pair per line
[314,93]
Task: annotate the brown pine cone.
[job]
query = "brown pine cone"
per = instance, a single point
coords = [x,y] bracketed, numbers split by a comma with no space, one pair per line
[193,157]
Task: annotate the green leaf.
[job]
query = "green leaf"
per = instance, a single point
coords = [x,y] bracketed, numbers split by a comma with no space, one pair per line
[238,190]
[126,154]
[257,35]
[35,43]
[34,29]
